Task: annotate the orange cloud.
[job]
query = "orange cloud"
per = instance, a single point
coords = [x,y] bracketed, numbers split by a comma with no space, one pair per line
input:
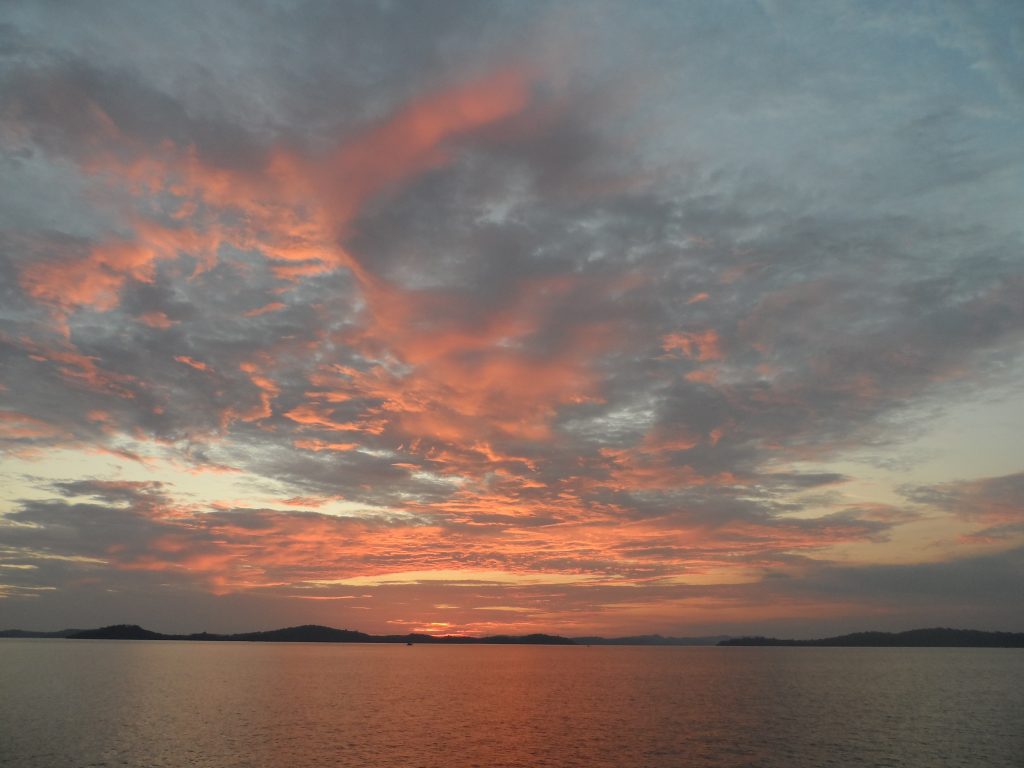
[156,320]
[96,279]
[266,391]
[322,445]
[15,426]
[412,140]
[82,370]
[701,345]
[293,206]
[191,363]
[652,468]
[274,306]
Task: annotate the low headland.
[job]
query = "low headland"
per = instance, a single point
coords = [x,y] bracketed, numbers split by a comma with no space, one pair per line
[938,637]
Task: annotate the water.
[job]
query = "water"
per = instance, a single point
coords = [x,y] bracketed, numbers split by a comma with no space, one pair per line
[108,703]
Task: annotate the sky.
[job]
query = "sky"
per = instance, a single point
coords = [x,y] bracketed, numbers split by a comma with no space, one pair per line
[479,317]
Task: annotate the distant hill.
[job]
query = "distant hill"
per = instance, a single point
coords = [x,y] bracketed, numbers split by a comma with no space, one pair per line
[120,632]
[939,637]
[311,633]
[651,640]
[535,639]
[29,633]
[308,633]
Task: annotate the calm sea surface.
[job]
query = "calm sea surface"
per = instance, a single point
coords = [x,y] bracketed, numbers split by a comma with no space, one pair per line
[108,703]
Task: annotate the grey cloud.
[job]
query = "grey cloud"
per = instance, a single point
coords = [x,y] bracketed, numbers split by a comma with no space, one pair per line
[112,491]
[996,504]
[989,579]
[972,498]
[71,105]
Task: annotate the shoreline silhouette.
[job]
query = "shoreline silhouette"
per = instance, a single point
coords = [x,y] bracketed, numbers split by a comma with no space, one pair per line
[937,637]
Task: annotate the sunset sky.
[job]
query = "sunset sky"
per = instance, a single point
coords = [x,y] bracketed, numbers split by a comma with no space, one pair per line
[479,317]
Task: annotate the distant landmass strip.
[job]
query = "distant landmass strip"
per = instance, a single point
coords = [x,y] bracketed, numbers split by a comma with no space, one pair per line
[310,633]
[30,633]
[313,633]
[939,637]
[652,640]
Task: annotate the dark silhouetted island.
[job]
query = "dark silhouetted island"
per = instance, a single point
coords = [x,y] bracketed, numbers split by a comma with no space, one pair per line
[30,633]
[939,637]
[651,640]
[312,633]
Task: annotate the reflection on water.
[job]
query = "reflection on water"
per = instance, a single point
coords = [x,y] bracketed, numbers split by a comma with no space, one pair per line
[96,703]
